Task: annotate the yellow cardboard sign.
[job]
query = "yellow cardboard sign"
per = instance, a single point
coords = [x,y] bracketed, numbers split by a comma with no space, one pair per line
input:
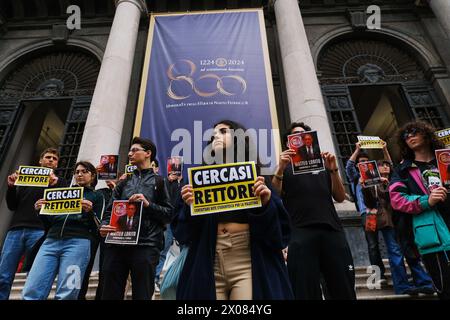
[444,136]
[62,201]
[370,142]
[129,168]
[30,176]
[224,187]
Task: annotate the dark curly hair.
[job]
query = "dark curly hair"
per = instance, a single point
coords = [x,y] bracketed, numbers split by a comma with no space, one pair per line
[422,127]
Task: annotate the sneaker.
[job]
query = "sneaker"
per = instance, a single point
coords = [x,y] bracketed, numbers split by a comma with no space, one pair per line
[426,290]
[413,291]
[157,288]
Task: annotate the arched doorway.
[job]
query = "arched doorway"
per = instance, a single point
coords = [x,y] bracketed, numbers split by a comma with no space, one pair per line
[372,87]
[44,101]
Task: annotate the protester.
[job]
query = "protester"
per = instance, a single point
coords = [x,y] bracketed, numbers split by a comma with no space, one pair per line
[141,259]
[66,250]
[238,254]
[174,184]
[354,177]
[421,204]
[26,228]
[318,243]
[377,201]
[107,194]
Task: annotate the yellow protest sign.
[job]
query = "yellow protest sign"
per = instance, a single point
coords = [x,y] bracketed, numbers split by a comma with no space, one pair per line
[30,176]
[129,168]
[444,136]
[62,201]
[225,187]
[370,142]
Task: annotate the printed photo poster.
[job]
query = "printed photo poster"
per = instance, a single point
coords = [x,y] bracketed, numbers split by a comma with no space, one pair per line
[29,176]
[307,152]
[175,166]
[443,160]
[369,173]
[62,201]
[126,217]
[108,167]
[370,142]
[129,169]
[444,136]
[224,187]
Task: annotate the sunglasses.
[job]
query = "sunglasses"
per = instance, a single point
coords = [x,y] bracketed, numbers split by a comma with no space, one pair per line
[409,132]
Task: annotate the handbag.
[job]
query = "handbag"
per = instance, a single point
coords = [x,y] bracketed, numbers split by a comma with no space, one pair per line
[170,280]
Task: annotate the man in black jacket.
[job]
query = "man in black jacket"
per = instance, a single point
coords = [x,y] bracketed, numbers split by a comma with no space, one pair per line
[140,259]
[26,228]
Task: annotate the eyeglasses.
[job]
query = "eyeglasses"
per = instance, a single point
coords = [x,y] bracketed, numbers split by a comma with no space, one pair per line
[412,132]
[77,172]
[134,150]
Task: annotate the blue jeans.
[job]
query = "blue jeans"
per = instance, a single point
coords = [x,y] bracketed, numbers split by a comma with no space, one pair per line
[399,274]
[17,242]
[67,258]
[168,240]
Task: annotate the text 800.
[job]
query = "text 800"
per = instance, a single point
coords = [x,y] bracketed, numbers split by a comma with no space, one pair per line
[245,309]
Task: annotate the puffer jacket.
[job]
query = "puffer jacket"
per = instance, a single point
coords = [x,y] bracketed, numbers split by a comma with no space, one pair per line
[154,218]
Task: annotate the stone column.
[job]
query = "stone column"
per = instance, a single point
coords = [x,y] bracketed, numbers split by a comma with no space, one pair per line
[104,123]
[441,9]
[302,86]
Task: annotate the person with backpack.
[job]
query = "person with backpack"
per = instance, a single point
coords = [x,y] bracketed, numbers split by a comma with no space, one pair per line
[421,204]
[140,260]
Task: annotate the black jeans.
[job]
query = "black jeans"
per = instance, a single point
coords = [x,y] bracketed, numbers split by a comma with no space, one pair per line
[316,250]
[140,261]
[438,267]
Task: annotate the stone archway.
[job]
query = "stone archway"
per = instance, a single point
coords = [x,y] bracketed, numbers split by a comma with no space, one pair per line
[351,63]
[49,75]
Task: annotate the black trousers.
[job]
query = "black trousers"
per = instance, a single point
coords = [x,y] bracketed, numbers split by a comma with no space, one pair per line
[140,261]
[316,251]
[102,248]
[438,266]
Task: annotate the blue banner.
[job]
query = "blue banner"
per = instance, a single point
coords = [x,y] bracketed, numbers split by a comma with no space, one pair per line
[201,68]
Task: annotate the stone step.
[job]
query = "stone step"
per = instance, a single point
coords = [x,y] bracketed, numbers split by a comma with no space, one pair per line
[397,297]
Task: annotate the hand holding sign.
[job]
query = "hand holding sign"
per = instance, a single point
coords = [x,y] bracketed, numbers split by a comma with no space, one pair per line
[12,179]
[86,205]
[285,158]
[38,205]
[187,194]
[437,195]
[329,161]
[53,179]
[139,197]
[261,190]
[104,230]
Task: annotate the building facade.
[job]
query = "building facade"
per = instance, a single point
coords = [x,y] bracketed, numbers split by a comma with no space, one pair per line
[78,89]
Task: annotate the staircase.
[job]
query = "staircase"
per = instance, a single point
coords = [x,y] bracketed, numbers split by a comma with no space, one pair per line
[386,292]
[362,291]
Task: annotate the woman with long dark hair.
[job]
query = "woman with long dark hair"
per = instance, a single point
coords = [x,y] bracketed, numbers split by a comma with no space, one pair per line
[66,251]
[234,255]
